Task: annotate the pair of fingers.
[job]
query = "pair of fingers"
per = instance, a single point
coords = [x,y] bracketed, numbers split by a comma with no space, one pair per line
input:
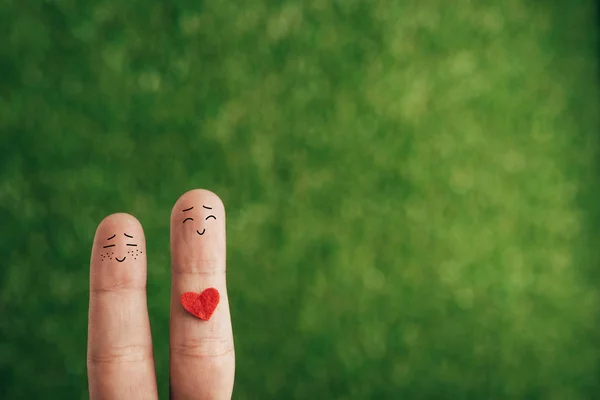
[119,356]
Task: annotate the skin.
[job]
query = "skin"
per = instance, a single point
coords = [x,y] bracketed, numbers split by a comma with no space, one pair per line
[119,357]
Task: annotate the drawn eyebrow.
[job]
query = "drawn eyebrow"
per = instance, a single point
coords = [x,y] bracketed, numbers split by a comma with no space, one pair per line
[110,245]
[208,208]
[131,244]
[188,219]
[188,209]
[112,237]
[209,217]
[128,235]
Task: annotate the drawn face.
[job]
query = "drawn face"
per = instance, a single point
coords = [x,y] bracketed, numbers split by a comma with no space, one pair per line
[191,221]
[111,250]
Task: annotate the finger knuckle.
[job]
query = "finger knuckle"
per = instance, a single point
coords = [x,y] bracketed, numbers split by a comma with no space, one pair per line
[202,267]
[120,355]
[207,347]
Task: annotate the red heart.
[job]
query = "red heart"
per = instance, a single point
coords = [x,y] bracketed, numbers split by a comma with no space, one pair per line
[201,305]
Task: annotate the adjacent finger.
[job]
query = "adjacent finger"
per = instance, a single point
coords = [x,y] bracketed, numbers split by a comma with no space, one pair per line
[120,362]
[202,354]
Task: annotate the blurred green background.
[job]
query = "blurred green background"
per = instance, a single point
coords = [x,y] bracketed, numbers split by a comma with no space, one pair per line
[412,187]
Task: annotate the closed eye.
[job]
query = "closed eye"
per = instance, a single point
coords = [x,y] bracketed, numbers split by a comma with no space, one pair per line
[187,219]
[210,216]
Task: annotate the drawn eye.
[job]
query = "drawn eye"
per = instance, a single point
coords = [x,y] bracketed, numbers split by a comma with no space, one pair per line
[210,216]
[188,219]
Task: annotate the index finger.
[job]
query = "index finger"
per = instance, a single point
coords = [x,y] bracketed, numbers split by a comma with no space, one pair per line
[202,354]
[120,362]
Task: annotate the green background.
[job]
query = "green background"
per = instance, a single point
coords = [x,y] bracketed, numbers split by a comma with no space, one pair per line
[411,187]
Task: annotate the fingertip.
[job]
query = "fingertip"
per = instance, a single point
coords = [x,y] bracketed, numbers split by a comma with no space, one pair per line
[197,198]
[118,256]
[117,221]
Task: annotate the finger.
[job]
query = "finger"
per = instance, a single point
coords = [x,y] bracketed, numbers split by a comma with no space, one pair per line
[202,355]
[120,362]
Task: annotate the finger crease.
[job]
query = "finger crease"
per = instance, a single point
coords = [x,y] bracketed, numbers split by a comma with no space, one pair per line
[121,355]
[177,272]
[205,348]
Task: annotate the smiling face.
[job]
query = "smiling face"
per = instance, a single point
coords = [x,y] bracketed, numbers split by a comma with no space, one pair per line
[111,250]
[198,221]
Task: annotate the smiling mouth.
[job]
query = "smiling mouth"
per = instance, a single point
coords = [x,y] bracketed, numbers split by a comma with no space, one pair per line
[117,258]
[201,233]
